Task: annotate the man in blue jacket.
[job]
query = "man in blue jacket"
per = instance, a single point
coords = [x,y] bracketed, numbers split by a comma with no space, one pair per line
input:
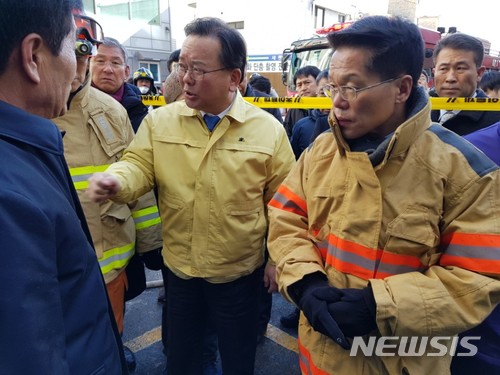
[54,314]
[487,359]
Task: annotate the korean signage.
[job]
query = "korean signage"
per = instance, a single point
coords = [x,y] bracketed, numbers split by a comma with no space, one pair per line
[264,63]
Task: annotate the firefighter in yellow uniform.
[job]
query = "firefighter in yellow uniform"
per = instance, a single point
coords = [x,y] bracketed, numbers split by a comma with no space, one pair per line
[96,130]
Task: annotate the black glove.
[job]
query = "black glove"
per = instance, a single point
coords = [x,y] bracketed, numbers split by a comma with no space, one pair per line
[153,259]
[355,312]
[313,296]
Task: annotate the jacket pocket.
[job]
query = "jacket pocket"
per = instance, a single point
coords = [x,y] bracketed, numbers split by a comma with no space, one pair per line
[177,217]
[413,233]
[241,225]
[118,228]
[111,142]
[119,212]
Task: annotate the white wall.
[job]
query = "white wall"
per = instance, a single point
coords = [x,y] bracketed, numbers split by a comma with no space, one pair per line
[270,25]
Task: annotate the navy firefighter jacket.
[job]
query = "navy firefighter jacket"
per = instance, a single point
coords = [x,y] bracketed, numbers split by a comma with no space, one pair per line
[54,316]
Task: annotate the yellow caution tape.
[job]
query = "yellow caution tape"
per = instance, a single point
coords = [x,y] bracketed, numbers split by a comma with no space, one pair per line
[154,100]
[449,104]
[469,104]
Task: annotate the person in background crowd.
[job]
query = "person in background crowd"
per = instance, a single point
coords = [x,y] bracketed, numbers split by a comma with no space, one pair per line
[247,90]
[172,88]
[458,60]
[173,60]
[388,225]
[55,317]
[305,83]
[109,73]
[424,80]
[490,83]
[145,81]
[260,83]
[213,203]
[263,84]
[118,230]
[302,133]
[486,361]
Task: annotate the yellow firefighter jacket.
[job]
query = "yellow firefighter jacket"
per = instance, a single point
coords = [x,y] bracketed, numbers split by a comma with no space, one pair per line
[96,132]
[422,226]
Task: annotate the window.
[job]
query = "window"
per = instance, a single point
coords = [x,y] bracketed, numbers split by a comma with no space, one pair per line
[239,25]
[154,67]
[147,10]
[319,17]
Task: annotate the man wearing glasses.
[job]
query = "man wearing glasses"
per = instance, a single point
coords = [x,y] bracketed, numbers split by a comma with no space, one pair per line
[216,161]
[386,231]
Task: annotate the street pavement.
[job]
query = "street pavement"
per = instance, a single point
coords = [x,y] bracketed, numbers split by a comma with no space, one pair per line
[276,354]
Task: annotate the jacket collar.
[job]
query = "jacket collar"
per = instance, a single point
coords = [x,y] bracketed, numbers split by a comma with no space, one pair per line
[237,111]
[81,98]
[30,129]
[403,137]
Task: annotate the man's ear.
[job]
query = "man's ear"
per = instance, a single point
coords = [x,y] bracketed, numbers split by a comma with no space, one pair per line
[235,79]
[32,49]
[480,72]
[405,87]
[127,72]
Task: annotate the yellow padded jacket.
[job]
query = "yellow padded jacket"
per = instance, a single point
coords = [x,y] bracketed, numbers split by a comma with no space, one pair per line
[213,188]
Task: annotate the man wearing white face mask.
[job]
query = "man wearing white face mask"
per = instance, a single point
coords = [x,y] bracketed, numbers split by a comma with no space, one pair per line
[145,81]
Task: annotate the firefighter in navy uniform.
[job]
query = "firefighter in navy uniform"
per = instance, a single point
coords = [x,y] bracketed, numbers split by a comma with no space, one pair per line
[97,130]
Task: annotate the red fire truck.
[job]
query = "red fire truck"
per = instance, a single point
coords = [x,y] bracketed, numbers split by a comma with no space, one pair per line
[316,51]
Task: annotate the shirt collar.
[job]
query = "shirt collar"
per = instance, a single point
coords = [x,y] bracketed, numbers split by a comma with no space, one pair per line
[36,131]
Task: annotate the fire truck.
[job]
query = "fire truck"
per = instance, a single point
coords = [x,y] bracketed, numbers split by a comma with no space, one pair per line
[316,51]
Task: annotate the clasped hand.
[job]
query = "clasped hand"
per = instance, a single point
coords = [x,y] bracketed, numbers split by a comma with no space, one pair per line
[339,313]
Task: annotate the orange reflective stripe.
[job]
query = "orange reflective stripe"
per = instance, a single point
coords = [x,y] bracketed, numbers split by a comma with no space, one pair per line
[394,264]
[476,265]
[306,364]
[475,252]
[468,239]
[287,200]
[364,262]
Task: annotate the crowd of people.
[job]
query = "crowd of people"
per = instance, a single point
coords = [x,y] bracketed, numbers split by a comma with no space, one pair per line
[376,218]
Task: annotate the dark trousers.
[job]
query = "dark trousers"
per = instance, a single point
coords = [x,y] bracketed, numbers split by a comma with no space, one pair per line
[265,307]
[233,306]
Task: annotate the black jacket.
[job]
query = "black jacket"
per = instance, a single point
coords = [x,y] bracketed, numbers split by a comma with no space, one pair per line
[292,116]
[132,102]
[466,122]
[251,92]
